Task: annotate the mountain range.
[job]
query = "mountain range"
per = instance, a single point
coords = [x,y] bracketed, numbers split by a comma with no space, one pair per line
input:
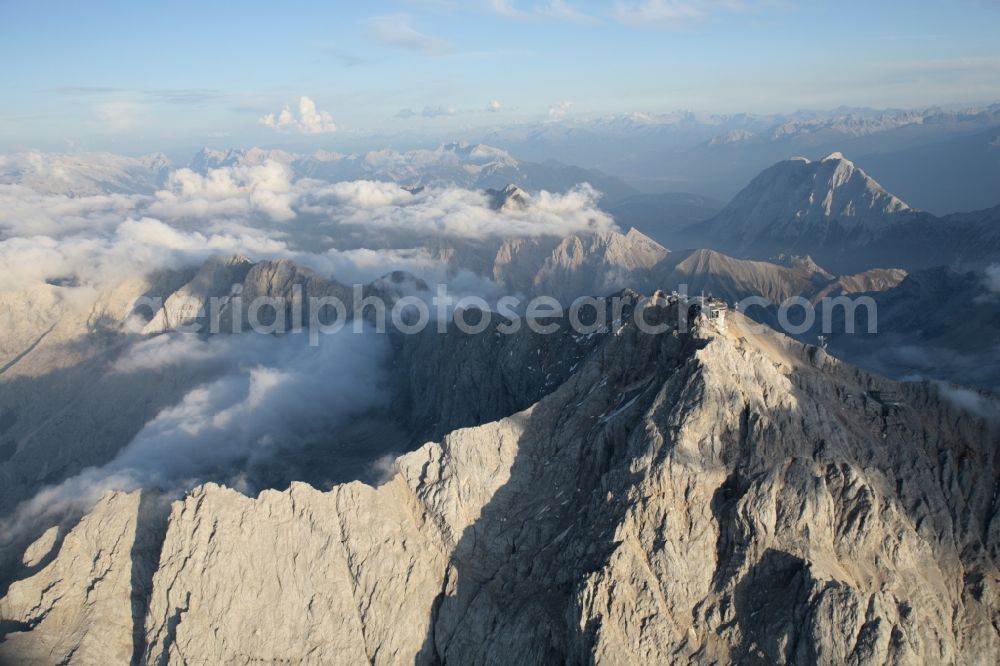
[939,159]
[719,494]
[835,212]
[713,493]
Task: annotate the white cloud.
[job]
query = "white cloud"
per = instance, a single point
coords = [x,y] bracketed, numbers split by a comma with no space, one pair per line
[676,14]
[99,239]
[437,111]
[406,113]
[236,191]
[366,193]
[395,30]
[561,10]
[456,212]
[25,211]
[979,403]
[993,278]
[659,13]
[557,10]
[309,119]
[559,109]
[506,8]
[252,397]
[494,105]
[118,116]
[134,247]
[267,396]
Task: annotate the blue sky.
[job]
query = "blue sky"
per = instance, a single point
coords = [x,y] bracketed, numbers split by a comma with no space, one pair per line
[137,76]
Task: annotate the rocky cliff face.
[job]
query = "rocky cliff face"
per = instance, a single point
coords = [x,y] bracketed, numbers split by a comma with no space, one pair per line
[934,323]
[734,279]
[87,601]
[566,268]
[64,361]
[798,197]
[835,212]
[715,496]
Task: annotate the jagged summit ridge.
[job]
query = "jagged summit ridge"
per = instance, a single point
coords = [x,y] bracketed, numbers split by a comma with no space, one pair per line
[721,495]
[799,197]
[511,197]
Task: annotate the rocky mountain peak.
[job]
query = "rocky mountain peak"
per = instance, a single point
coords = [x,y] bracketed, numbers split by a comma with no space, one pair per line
[509,198]
[798,199]
[772,481]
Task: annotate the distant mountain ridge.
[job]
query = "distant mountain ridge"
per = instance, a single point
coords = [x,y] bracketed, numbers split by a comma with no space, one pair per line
[835,212]
[463,164]
[85,173]
[799,198]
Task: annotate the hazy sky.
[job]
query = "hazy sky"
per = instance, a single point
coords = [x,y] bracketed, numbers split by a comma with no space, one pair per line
[137,76]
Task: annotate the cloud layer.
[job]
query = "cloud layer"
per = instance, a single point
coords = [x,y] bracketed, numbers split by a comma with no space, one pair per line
[266,396]
[271,397]
[261,210]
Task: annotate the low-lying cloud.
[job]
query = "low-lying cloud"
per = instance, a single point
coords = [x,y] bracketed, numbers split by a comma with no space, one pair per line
[992,276]
[134,247]
[266,396]
[271,396]
[970,400]
[262,211]
[456,212]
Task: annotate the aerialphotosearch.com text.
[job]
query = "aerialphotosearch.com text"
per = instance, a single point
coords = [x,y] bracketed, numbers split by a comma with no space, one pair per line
[361,310]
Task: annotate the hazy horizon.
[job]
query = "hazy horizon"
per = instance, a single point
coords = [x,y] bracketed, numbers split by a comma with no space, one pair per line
[135,79]
[508,332]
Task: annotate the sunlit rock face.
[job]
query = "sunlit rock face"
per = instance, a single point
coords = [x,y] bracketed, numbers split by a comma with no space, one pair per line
[721,495]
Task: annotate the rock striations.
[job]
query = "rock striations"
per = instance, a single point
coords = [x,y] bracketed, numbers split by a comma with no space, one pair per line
[838,214]
[715,496]
[798,197]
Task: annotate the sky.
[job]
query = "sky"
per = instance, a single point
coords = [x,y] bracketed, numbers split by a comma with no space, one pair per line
[134,77]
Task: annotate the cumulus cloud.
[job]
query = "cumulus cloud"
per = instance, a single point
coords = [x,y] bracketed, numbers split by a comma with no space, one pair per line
[396,30]
[559,109]
[406,113]
[493,105]
[366,193]
[308,121]
[229,191]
